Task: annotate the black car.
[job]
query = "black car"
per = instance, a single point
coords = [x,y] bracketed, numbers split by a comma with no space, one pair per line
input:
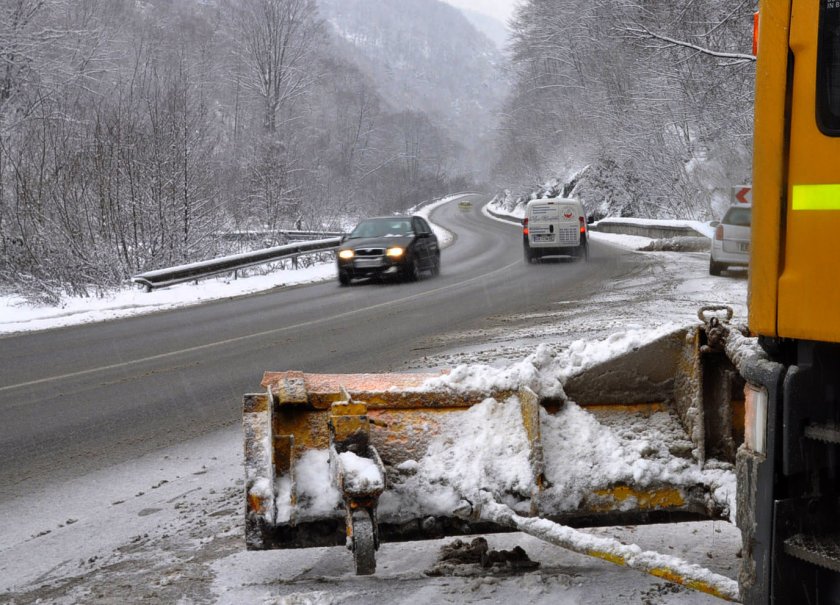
[398,246]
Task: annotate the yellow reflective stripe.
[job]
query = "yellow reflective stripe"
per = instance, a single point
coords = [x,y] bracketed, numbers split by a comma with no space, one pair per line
[816,197]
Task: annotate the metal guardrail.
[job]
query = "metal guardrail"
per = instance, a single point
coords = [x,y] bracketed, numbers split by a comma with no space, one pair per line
[504,217]
[162,278]
[287,234]
[624,228]
[646,230]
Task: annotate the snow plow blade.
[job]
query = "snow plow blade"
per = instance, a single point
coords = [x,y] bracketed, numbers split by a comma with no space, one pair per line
[627,443]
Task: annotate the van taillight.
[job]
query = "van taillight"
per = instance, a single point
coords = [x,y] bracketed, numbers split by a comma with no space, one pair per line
[525,226]
[582,224]
[719,233]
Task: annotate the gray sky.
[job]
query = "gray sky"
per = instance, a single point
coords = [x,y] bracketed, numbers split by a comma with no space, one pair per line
[500,9]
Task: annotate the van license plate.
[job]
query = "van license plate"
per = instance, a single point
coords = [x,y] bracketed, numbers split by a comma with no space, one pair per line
[744,247]
[548,237]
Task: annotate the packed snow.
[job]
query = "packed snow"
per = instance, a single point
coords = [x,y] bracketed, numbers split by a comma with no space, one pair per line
[361,475]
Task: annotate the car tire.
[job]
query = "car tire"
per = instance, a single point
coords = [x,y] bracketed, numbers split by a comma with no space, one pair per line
[436,266]
[343,278]
[412,271]
[715,268]
[583,252]
[529,256]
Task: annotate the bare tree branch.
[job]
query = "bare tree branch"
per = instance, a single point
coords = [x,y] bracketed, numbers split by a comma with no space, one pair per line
[645,34]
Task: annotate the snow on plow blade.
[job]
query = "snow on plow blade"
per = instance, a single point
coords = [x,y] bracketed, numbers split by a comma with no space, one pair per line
[627,442]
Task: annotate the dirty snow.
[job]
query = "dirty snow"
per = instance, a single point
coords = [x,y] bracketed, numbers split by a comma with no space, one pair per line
[632,555]
[316,494]
[361,474]
[544,370]
[485,447]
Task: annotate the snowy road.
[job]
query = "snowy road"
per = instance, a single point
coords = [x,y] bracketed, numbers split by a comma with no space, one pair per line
[143,523]
[81,398]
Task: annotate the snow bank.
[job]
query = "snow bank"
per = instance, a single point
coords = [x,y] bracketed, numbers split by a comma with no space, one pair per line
[445,237]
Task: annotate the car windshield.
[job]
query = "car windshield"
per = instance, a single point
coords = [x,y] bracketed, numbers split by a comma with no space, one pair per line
[382,227]
[738,216]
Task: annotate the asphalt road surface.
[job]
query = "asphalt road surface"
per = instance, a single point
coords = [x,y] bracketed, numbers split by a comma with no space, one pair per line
[77,399]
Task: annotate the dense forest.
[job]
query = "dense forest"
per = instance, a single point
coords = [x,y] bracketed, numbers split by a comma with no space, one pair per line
[134,132]
[648,103]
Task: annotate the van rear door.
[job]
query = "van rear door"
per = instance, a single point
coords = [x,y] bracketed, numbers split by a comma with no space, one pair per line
[553,224]
[541,224]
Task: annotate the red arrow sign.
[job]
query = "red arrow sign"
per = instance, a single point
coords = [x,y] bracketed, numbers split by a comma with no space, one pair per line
[744,195]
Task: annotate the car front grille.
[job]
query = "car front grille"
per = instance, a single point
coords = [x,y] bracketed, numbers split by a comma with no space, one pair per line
[366,252]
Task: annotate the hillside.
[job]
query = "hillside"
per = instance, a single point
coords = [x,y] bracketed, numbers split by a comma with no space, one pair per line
[425,56]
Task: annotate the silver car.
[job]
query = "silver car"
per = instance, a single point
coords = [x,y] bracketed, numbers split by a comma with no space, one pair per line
[731,244]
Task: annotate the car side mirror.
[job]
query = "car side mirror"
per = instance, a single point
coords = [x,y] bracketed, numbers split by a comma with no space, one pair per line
[343,238]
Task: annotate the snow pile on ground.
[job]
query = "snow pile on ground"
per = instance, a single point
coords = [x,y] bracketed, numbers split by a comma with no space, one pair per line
[19,315]
[678,244]
[506,206]
[444,236]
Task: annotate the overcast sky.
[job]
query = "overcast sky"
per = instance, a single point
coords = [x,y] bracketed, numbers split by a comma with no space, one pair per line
[500,9]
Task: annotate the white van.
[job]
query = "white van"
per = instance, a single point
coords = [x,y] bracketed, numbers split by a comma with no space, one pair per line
[554,227]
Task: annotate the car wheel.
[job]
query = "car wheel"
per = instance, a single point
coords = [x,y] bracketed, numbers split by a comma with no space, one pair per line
[715,268]
[436,266]
[529,257]
[412,271]
[343,278]
[583,252]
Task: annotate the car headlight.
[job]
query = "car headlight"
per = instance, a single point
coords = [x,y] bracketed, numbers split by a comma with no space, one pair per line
[346,254]
[395,252]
